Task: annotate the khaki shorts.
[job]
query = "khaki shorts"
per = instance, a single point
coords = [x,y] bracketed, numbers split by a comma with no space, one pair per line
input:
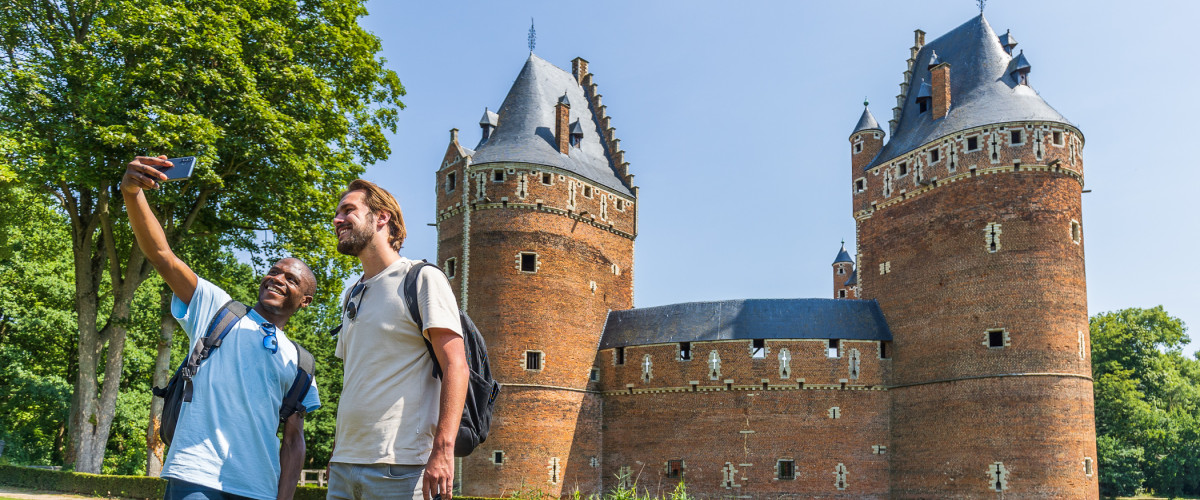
[374,481]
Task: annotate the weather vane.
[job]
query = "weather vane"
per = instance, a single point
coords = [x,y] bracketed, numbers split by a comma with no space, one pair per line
[532,36]
[982,4]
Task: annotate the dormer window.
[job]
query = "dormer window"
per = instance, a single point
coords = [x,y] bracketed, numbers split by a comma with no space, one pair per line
[576,134]
[924,96]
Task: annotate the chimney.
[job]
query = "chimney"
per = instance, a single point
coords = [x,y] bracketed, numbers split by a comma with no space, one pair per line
[562,135]
[919,38]
[940,75]
[579,69]
[454,135]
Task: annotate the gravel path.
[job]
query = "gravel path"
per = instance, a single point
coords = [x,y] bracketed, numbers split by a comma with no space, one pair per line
[24,494]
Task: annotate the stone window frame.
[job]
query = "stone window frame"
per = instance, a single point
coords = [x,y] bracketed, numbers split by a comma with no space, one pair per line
[647,368]
[785,363]
[547,175]
[1005,338]
[858,147]
[451,267]
[758,349]
[1020,132]
[991,237]
[538,355]
[902,169]
[997,475]
[537,262]
[860,185]
[841,270]
[594,375]
[842,293]
[1089,466]
[588,191]
[682,348]
[834,412]
[674,468]
[854,363]
[833,346]
[714,365]
[883,348]
[779,469]
[967,143]
[1058,138]
[554,469]
[451,181]
[840,472]
[500,454]
[1076,232]
[931,153]
[619,356]
[498,175]
[619,203]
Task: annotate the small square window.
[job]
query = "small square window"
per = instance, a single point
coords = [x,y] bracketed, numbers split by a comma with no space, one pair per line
[1058,138]
[674,469]
[451,267]
[758,349]
[529,263]
[934,155]
[594,376]
[860,185]
[787,470]
[497,457]
[903,169]
[995,338]
[1016,137]
[498,175]
[833,351]
[547,178]
[451,182]
[972,143]
[587,191]
[685,351]
[533,360]
[841,294]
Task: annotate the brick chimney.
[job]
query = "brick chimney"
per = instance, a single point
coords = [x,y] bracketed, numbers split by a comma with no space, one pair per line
[579,69]
[940,75]
[562,132]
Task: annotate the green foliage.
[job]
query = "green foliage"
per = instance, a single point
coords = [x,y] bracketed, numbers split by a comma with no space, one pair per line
[1147,398]
[84,484]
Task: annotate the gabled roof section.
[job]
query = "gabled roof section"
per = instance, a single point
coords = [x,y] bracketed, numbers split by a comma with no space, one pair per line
[866,122]
[489,118]
[526,130]
[981,92]
[746,319]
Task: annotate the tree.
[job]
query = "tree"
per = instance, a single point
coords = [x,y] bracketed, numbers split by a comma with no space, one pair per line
[1147,397]
[282,102]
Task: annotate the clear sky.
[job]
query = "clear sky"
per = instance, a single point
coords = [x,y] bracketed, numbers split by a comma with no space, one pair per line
[735,118]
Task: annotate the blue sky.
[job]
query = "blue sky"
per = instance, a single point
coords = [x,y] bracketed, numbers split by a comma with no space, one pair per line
[735,118]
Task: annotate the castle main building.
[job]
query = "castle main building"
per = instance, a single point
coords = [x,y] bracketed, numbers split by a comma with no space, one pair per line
[952,362]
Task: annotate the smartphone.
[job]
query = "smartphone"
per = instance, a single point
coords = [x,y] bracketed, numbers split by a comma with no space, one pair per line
[182,168]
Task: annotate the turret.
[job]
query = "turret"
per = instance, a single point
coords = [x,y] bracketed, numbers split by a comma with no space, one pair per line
[865,142]
[843,270]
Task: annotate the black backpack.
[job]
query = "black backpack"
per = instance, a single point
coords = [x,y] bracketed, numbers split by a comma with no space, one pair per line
[482,389]
[179,388]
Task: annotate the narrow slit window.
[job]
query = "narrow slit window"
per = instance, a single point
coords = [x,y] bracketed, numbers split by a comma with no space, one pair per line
[885,350]
[451,267]
[498,457]
[685,351]
[619,356]
[594,376]
[1076,232]
[529,263]
[991,235]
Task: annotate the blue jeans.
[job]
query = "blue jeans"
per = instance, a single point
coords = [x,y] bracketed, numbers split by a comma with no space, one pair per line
[183,490]
[374,481]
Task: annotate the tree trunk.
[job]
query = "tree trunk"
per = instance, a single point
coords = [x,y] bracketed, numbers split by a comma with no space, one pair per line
[155,449]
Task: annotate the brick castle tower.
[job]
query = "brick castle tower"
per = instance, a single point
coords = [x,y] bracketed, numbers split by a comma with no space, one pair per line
[536,228]
[969,236]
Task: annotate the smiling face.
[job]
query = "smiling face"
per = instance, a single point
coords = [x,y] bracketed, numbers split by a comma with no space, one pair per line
[355,224]
[288,286]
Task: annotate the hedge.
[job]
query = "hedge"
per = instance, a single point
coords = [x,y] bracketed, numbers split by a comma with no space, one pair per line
[116,486]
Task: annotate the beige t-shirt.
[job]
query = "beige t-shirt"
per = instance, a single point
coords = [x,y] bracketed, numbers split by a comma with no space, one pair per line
[389,406]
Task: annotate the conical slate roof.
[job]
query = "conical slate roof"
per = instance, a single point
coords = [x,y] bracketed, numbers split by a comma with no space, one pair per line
[843,256]
[981,91]
[489,118]
[866,122]
[526,130]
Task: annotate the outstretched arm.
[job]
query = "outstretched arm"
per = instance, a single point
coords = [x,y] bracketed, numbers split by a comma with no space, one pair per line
[452,356]
[141,175]
[291,455]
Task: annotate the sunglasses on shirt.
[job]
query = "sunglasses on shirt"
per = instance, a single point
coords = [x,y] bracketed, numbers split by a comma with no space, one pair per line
[270,341]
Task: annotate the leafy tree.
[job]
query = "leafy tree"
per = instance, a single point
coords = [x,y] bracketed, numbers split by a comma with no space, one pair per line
[1147,399]
[282,101]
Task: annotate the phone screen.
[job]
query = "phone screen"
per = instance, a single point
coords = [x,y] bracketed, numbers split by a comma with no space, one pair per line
[182,168]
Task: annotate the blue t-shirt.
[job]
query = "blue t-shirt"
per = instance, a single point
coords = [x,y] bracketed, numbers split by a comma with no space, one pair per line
[226,436]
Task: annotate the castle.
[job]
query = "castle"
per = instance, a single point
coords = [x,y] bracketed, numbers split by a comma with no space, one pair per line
[952,362]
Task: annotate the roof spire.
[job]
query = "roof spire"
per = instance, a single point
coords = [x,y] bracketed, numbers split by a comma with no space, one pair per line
[866,102]
[532,36]
[982,4]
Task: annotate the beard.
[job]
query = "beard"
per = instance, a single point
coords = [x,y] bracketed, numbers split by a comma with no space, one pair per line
[357,237]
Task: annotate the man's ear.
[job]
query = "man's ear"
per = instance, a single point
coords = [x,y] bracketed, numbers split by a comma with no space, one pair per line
[306,302]
[382,219]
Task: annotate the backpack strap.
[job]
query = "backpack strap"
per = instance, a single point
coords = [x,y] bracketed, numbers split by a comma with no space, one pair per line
[222,323]
[293,401]
[411,295]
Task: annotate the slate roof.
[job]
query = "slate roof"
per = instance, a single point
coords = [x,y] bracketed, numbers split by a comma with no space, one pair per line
[843,256]
[746,319]
[866,122]
[981,91]
[526,130]
[489,118]
[853,279]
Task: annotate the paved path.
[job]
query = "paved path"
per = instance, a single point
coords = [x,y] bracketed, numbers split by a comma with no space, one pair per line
[24,494]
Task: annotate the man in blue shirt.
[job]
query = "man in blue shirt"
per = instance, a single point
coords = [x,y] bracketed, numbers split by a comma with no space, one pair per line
[225,444]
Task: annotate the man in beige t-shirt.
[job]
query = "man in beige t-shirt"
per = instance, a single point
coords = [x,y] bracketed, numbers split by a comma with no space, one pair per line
[396,423]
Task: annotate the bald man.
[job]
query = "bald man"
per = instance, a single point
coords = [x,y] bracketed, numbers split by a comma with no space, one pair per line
[225,443]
